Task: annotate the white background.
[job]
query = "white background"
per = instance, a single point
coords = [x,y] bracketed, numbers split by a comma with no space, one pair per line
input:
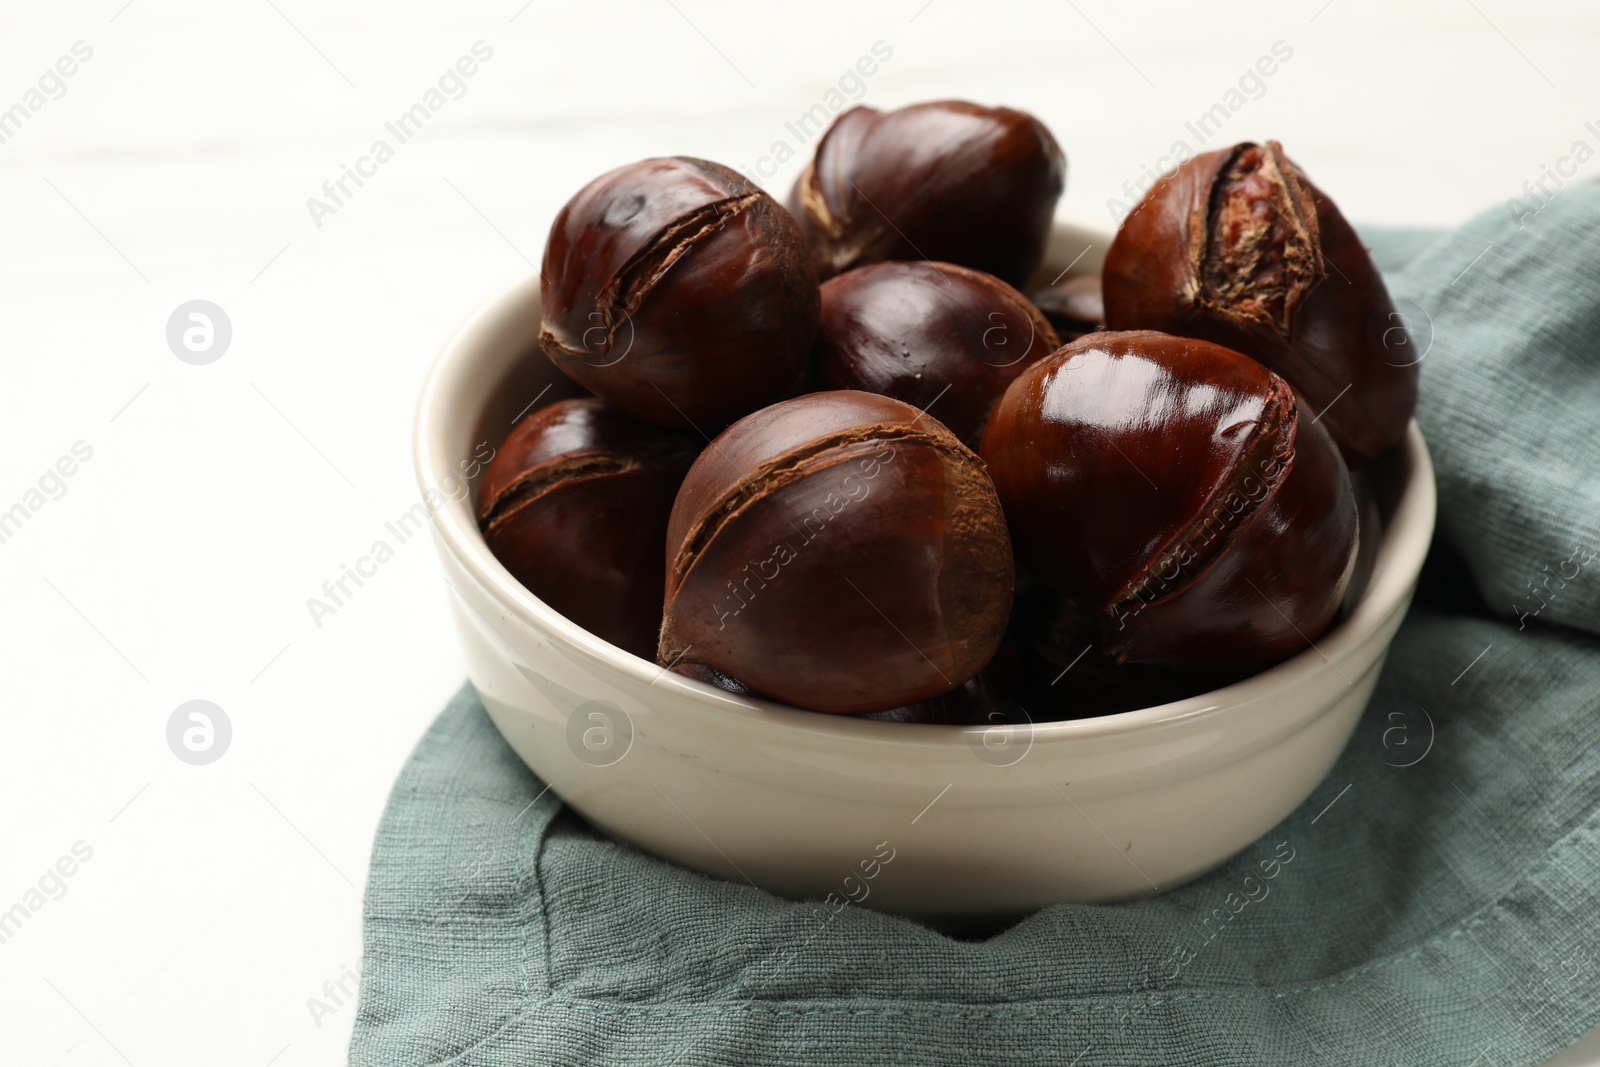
[219,498]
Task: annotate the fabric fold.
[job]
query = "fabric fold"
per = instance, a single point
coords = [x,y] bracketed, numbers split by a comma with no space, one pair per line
[1433,902]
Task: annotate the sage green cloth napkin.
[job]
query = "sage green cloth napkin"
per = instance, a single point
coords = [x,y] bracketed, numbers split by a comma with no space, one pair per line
[1441,899]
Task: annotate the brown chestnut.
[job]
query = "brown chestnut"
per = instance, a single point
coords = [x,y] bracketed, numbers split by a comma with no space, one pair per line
[575,505]
[840,551]
[943,338]
[1238,247]
[947,180]
[1180,494]
[1073,306]
[680,292]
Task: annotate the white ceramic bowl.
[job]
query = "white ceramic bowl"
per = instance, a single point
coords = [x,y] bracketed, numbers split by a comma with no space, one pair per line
[978,821]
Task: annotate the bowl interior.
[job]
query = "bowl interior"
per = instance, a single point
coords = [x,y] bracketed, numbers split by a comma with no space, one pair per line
[492,372]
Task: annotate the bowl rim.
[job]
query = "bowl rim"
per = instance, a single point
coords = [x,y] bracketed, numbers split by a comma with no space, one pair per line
[1397,563]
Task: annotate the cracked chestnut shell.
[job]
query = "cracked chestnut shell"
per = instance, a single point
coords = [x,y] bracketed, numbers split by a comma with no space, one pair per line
[839,551]
[575,505]
[948,180]
[1180,495]
[1239,247]
[679,291]
[945,339]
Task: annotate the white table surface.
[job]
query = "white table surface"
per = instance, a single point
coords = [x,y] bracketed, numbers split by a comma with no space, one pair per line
[218,498]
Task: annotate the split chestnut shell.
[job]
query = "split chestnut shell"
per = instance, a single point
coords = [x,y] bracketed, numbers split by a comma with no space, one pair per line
[1238,247]
[1180,495]
[679,291]
[840,551]
[575,503]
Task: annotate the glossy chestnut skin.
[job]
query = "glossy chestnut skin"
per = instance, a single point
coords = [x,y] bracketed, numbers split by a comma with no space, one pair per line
[1239,247]
[840,551]
[679,291]
[945,339]
[948,180]
[1073,305]
[1180,495]
[575,505]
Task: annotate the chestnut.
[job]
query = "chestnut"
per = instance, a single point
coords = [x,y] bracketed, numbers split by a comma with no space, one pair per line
[1074,306]
[679,291]
[575,505]
[1238,247]
[943,338]
[839,551]
[947,180]
[1180,495]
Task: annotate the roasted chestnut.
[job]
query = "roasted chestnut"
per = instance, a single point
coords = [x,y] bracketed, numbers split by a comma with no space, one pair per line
[1073,306]
[575,505]
[1238,247]
[1180,494]
[943,338]
[948,180]
[840,551]
[680,292]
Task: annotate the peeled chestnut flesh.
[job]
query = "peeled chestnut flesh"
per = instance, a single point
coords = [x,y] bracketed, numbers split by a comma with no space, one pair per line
[575,505]
[1240,248]
[839,551]
[945,339]
[949,180]
[1180,495]
[679,291]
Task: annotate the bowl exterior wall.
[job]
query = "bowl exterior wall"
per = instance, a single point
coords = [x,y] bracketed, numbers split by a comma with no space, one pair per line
[736,794]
